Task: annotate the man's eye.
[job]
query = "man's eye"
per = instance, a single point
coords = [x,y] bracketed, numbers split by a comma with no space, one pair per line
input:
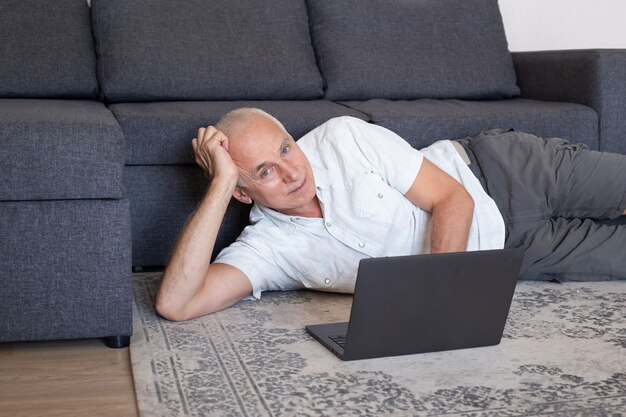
[266,172]
[286,150]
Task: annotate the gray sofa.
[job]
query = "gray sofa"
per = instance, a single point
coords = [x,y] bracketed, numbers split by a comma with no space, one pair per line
[98,106]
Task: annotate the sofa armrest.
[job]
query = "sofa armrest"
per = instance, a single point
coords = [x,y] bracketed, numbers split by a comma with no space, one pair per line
[596,78]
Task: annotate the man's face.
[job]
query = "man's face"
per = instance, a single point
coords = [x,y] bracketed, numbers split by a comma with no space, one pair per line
[273,171]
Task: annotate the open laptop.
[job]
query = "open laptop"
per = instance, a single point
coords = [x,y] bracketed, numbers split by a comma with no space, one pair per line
[425,303]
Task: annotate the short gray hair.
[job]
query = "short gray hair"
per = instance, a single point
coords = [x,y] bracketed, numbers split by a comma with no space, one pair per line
[234,120]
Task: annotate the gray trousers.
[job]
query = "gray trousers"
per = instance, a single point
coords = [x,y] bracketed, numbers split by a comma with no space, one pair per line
[555,198]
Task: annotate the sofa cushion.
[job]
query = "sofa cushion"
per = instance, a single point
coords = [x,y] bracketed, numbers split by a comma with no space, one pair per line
[204,50]
[59,149]
[46,49]
[421,122]
[161,133]
[401,49]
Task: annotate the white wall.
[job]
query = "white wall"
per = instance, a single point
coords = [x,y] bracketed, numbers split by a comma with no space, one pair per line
[534,25]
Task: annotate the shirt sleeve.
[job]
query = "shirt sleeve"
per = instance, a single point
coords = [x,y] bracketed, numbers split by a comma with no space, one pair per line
[246,254]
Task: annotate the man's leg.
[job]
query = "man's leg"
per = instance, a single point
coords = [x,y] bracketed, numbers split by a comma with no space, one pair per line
[541,187]
[571,250]
[529,177]
[588,184]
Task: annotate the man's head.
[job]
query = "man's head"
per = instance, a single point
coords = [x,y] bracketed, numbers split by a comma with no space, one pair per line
[273,171]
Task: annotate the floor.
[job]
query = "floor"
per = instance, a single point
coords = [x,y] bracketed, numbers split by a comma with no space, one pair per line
[66,378]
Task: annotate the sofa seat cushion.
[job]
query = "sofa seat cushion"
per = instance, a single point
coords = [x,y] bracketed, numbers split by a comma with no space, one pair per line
[161,133]
[422,122]
[59,149]
[152,50]
[47,49]
[399,49]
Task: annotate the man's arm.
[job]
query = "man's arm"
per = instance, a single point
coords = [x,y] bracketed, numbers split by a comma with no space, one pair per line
[450,205]
[191,286]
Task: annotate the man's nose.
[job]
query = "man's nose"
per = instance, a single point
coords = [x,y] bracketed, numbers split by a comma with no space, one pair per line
[290,173]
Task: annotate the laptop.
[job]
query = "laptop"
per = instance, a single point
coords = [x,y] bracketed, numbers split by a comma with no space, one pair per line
[425,303]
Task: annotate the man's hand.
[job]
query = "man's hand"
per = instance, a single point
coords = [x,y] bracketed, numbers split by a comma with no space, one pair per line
[210,147]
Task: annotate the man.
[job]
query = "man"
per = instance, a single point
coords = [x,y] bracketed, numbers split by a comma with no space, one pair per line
[349,190]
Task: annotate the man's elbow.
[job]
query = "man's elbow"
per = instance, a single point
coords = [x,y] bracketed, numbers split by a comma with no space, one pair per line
[469,202]
[458,203]
[166,311]
[169,310]
[461,201]
[173,312]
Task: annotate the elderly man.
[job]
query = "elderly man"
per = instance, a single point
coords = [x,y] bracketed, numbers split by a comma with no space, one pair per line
[349,190]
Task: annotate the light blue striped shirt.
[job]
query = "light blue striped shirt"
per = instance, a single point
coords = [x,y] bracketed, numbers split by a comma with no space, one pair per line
[362,172]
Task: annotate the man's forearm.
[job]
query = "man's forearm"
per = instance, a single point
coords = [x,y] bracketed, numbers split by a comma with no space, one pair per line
[451,223]
[190,259]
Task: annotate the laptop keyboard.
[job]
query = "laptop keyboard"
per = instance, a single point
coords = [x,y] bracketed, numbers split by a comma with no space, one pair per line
[340,339]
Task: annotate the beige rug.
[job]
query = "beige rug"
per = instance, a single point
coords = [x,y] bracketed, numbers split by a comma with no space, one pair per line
[563,354]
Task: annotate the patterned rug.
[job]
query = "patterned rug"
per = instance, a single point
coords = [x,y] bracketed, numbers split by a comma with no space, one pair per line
[563,354]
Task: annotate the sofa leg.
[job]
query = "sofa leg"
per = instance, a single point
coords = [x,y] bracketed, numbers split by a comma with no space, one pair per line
[116,342]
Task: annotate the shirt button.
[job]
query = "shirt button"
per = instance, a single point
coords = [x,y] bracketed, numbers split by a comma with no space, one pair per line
[361,245]
[380,195]
[328,224]
[327,281]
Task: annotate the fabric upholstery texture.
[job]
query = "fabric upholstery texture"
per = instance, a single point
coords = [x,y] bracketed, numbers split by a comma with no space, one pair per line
[204,50]
[66,269]
[400,49]
[422,122]
[162,199]
[591,77]
[46,49]
[161,133]
[59,149]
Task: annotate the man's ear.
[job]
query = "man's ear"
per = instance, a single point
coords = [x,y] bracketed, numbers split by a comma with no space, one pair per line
[240,195]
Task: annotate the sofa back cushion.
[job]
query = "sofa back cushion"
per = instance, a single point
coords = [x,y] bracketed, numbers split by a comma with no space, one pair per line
[409,49]
[46,49]
[204,50]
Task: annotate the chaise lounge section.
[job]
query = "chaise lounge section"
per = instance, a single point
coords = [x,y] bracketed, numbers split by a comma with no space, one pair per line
[65,249]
